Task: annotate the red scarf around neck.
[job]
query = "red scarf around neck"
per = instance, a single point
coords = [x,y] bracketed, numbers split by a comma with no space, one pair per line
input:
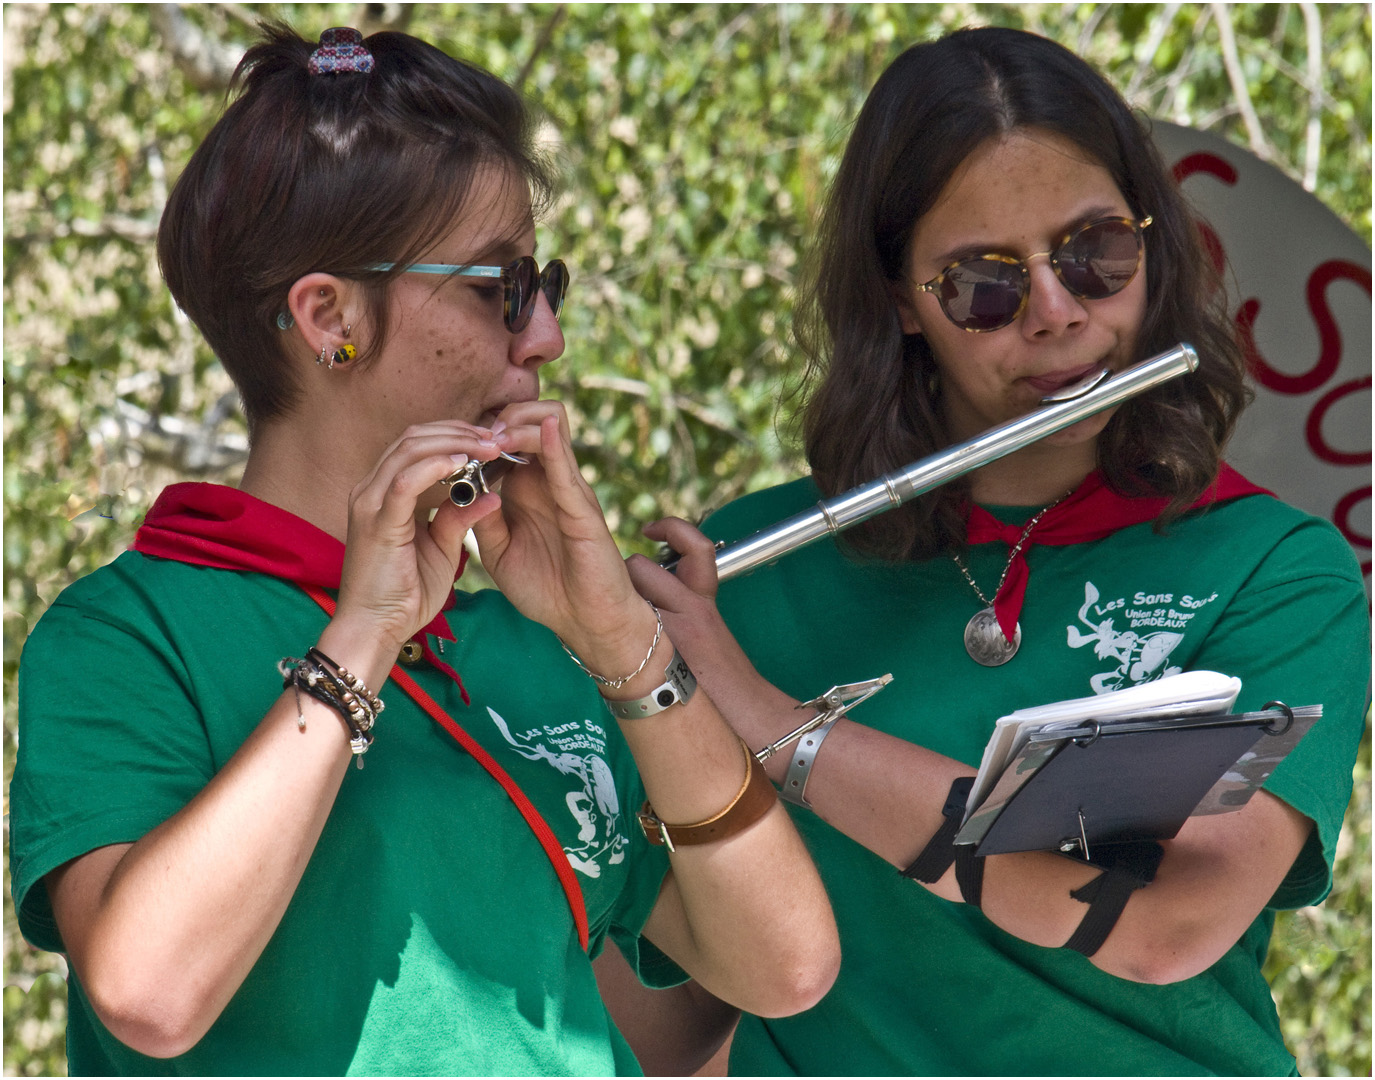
[228,529]
[1091,512]
[211,525]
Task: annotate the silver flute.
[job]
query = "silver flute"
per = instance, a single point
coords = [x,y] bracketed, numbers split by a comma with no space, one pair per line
[1100,390]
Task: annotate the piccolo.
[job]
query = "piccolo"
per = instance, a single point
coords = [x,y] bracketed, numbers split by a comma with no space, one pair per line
[1087,397]
[477,477]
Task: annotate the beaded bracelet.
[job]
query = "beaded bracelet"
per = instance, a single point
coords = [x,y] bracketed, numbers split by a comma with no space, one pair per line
[368,704]
[335,686]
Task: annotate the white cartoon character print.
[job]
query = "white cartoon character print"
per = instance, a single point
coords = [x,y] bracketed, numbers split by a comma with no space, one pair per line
[595,806]
[1141,658]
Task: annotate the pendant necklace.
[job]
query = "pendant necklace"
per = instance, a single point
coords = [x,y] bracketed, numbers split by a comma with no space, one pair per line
[983,637]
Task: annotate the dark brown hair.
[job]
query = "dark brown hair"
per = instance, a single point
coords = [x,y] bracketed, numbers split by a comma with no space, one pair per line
[869,403]
[332,173]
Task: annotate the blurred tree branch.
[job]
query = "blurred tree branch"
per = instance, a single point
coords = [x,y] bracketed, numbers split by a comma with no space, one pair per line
[1312,25]
[206,62]
[1222,16]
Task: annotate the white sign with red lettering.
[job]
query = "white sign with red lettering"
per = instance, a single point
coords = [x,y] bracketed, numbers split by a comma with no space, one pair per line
[1299,285]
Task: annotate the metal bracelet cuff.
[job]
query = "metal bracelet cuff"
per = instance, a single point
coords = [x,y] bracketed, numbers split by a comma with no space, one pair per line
[794,788]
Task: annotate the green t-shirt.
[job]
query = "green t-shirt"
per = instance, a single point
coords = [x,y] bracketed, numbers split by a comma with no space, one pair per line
[429,934]
[1251,588]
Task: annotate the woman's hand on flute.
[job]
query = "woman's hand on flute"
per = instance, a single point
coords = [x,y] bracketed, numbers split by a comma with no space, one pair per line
[549,550]
[719,910]
[399,569]
[686,599]
[685,596]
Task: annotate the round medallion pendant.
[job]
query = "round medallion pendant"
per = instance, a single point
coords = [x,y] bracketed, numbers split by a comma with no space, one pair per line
[984,641]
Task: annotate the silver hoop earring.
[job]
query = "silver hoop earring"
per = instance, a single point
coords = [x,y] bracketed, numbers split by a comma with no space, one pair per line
[324,354]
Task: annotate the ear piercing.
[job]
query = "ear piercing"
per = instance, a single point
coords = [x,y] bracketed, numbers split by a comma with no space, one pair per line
[341,355]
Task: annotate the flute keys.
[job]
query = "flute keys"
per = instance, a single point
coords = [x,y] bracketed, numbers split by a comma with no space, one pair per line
[476,477]
[465,484]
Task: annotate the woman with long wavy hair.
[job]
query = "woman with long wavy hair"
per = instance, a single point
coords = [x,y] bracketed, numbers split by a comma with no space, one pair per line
[1001,228]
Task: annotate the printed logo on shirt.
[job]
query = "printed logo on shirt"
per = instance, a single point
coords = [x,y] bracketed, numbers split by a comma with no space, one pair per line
[576,750]
[1154,623]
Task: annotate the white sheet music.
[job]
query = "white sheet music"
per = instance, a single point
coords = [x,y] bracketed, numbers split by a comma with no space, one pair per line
[1192,692]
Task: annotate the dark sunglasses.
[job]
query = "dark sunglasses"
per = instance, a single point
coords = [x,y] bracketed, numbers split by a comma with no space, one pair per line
[987,292]
[523,279]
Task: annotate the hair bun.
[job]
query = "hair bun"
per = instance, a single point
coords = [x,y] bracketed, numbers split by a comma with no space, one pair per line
[341,51]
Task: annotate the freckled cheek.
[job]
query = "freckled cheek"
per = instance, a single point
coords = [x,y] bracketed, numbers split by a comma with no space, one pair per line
[971,362]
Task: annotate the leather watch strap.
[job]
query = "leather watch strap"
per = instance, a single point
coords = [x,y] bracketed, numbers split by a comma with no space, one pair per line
[752,802]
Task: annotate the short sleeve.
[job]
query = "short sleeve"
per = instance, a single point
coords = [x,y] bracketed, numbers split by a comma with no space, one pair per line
[1299,632]
[110,740]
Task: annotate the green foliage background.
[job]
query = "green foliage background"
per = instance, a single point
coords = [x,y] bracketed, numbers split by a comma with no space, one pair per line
[697,142]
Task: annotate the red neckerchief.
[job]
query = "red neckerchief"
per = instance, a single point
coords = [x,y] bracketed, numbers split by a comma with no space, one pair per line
[213,525]
[1092,512]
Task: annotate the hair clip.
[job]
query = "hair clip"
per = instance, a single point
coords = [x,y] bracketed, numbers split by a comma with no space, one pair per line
[341,52]
[285,321]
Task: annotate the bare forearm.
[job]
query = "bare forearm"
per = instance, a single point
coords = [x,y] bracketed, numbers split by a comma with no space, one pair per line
[164,931]
[674,1032]
[887,794]
[752,893]
[750,921]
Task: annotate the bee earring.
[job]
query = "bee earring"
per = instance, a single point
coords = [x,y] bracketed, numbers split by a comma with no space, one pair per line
[341,355]
[345,352]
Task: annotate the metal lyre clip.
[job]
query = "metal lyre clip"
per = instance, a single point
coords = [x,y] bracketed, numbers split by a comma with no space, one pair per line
[834,702]
[1081,841]
[476,477]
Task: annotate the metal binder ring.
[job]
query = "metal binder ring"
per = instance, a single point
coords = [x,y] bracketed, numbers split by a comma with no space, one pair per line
[1288,717]
[1089,740]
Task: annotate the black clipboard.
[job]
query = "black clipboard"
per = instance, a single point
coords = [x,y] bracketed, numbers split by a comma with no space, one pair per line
[1071,789]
